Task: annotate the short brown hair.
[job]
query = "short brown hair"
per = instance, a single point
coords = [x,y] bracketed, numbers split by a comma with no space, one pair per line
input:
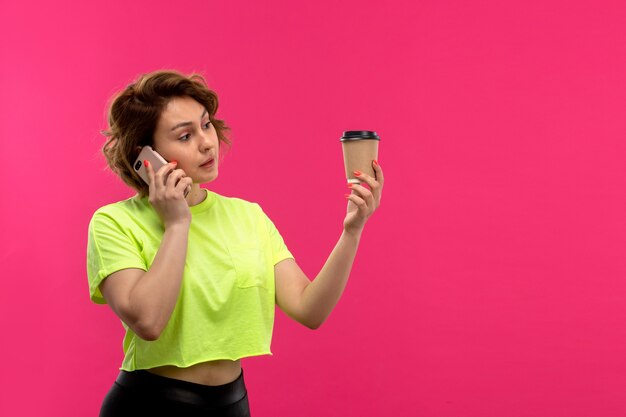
[135,111]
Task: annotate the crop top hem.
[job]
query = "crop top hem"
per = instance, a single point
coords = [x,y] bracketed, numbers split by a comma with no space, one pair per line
[223,358]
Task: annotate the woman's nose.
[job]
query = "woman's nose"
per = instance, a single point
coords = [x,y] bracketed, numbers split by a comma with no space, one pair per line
[205,141]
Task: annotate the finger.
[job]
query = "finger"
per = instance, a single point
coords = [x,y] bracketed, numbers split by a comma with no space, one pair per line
[378,171]
[363,192]
[367,179]
[184,185]
[174,177]
[358,201]
[380,179]
[150,173]
[163,173]
[375,184]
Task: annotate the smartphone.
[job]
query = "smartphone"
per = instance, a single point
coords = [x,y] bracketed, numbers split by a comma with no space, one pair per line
[153,157]
[156,160]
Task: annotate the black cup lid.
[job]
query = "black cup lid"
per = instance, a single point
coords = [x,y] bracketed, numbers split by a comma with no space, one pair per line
[359,134]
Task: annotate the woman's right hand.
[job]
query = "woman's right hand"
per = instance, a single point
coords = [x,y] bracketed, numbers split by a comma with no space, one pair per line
[167,193]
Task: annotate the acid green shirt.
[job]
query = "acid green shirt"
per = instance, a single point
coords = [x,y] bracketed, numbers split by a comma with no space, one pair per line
[225,309]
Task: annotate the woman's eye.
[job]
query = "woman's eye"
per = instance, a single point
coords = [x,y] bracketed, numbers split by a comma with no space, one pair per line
[185,137]
[206,125]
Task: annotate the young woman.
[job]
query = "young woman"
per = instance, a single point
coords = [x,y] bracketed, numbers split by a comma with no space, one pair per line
[195,276]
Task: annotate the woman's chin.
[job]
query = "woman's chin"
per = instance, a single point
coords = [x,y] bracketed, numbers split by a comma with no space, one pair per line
[203,179]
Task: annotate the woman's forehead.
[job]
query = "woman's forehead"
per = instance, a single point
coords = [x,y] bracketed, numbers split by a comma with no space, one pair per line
[182,108]
[179,112]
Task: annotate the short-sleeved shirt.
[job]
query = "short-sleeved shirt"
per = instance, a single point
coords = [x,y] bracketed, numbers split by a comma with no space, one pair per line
[225,308]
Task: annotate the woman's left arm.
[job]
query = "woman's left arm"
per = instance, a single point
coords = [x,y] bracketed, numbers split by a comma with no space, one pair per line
[310,303]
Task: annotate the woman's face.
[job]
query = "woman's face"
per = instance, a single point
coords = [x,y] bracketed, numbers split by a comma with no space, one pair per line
[185,134]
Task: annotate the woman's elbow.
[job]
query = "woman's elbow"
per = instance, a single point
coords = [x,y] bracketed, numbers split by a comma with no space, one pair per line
[147,332]
[148,336]
[312,324]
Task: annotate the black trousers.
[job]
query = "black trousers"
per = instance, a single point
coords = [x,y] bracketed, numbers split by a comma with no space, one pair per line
[141,393]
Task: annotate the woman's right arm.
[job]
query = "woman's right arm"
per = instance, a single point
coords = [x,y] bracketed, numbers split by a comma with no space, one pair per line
[145,300]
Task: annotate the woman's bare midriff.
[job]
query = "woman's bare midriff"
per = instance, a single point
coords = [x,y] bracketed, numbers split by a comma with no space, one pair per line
[207,373]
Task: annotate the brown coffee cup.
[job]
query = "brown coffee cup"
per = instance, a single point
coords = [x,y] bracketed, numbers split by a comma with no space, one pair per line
[360,148]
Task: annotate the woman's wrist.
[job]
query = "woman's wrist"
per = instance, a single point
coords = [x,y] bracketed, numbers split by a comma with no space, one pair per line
[353,233]
[178,226]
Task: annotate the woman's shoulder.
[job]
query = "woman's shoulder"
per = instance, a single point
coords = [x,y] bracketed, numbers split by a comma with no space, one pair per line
[133,206]
[237,202]
[239,208]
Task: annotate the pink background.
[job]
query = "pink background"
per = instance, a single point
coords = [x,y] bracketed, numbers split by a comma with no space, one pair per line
[491,281]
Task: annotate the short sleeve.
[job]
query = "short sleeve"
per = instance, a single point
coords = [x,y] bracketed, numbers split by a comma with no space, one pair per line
[109,250]
[279,249]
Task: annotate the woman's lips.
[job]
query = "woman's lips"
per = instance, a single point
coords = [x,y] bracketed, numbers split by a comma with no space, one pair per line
[208,163]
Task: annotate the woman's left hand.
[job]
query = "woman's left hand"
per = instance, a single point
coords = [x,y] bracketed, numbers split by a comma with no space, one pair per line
[362,202]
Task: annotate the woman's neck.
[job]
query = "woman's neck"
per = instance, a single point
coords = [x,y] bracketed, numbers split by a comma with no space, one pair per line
[196,195]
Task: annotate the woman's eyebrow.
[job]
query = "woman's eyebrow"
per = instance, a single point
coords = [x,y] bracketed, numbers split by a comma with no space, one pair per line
[179,125]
